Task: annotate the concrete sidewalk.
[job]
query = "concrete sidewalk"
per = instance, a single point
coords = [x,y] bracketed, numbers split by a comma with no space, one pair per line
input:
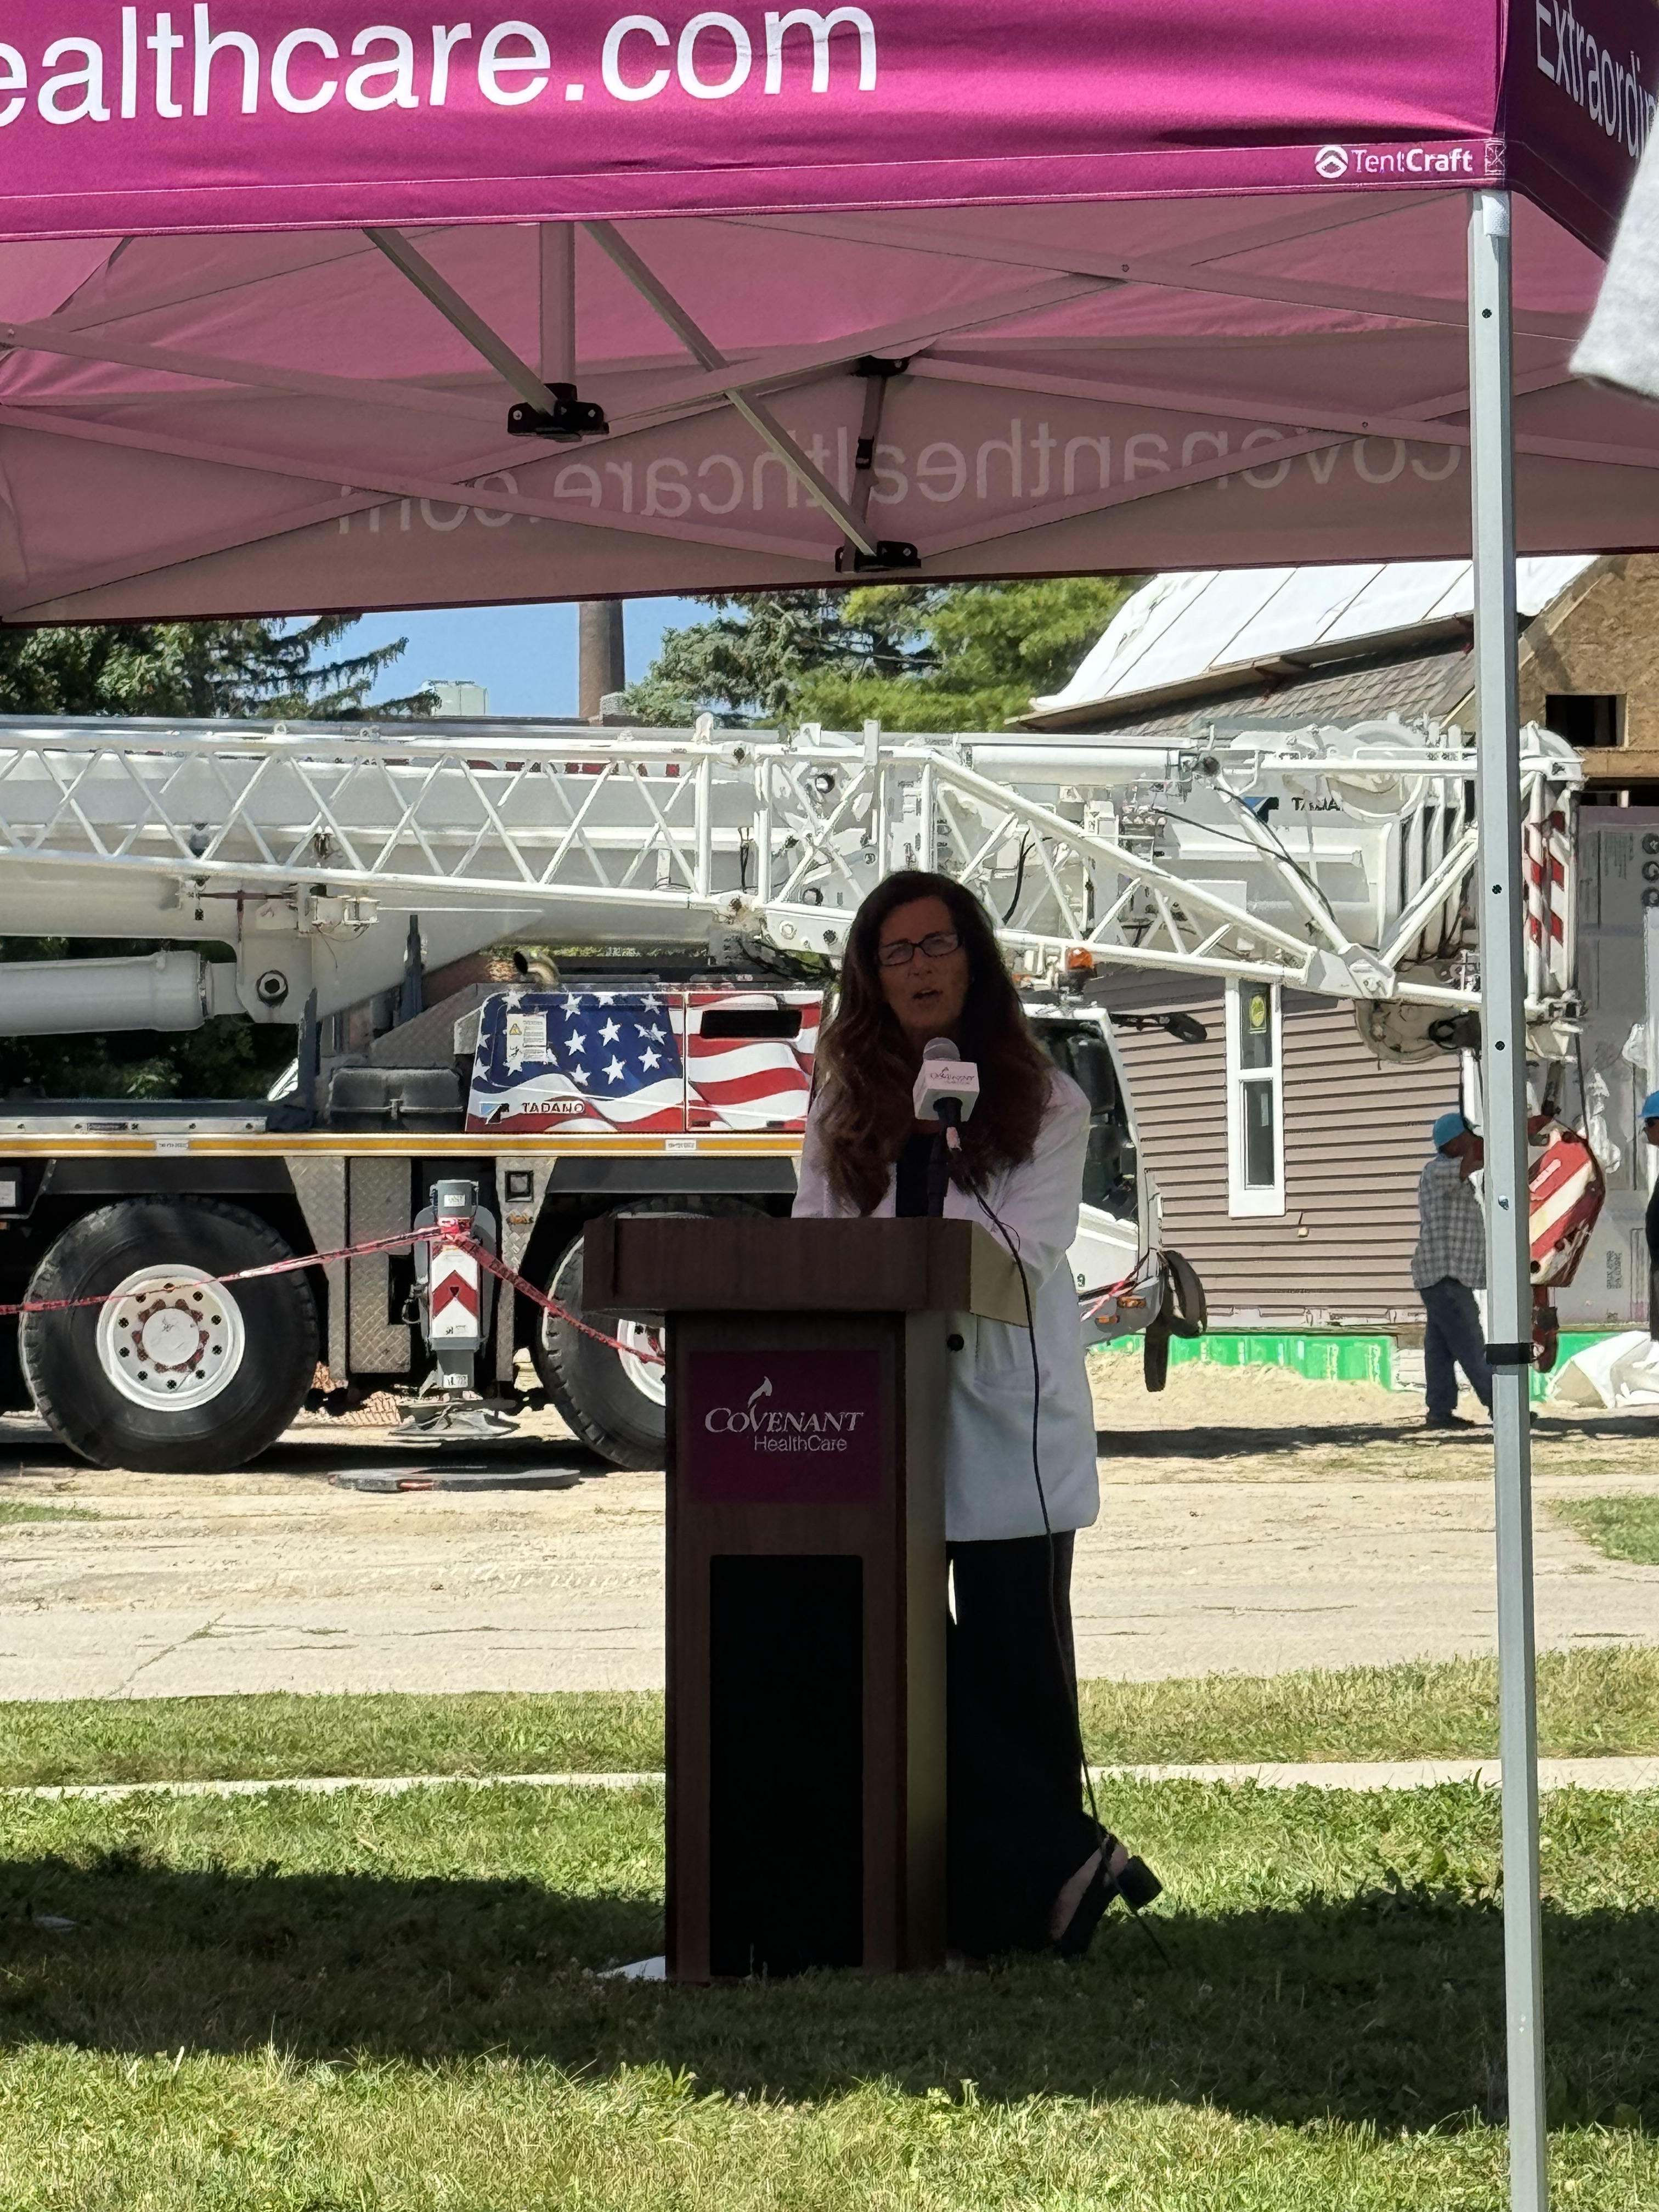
[1244,1553]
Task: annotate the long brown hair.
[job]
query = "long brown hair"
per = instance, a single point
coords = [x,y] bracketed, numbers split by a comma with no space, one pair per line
[868,1067]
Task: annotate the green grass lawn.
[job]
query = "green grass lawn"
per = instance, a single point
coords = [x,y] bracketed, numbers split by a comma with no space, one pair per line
[275,1735]
[1589,1702]
[353,2004]
[1622,1528]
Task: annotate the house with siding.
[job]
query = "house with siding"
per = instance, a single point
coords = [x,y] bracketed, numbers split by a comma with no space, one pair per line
[1286,1155]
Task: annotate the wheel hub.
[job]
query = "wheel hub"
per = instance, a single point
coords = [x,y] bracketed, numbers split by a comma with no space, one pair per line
[170,1338]
[648,1376]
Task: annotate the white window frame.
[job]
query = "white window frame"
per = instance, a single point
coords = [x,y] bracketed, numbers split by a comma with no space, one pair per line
[1245,1200]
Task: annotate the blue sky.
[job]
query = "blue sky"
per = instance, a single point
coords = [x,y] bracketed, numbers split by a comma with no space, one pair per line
[526,656]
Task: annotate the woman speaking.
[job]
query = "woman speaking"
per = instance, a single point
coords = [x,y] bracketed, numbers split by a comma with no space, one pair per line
[1029,1869]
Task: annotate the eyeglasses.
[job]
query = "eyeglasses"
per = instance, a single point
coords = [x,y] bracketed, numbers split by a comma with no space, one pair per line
[902,951]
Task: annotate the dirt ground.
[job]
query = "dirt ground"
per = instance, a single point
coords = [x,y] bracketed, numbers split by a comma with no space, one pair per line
[1250,1520]
[1267,1423]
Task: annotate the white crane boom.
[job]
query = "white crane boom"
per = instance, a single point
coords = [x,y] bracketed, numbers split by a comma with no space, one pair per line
[1337,860]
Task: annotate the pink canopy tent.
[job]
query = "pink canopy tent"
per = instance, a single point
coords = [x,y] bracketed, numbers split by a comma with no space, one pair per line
[1173,285]
[890,289]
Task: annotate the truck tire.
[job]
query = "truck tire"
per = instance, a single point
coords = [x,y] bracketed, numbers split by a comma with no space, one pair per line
[613,1400]
[164,1378]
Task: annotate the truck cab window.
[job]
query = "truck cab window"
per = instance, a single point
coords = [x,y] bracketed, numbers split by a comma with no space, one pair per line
[1109,1175]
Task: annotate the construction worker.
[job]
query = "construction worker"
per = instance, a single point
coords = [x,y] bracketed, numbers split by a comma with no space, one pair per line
[1450,1266]
[1650,1130]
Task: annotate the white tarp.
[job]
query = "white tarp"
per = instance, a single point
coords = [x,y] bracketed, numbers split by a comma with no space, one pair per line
[1618,1371]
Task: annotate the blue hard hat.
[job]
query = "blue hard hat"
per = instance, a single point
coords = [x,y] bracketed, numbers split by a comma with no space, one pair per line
[1650,1108]
[1450,1126]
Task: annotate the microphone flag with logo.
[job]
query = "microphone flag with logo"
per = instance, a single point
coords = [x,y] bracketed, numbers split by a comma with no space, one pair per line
[946,1088]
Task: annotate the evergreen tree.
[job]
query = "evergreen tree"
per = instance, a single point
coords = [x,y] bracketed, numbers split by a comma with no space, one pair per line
[245,668]
[914,656]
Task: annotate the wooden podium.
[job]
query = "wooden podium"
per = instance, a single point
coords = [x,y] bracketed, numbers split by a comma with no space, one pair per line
[806,1579]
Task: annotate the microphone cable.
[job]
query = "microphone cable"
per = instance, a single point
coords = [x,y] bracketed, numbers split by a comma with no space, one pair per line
[956,1170]
[1067,1669]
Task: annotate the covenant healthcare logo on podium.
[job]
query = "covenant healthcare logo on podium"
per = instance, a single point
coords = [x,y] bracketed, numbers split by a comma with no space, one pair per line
[782,1427]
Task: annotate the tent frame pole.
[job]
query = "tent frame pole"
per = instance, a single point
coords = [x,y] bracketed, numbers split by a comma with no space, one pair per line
[480,335]
[1503,1072]
[754,411]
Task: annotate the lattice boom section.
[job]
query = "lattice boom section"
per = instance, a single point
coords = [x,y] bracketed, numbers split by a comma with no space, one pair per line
[1253,861]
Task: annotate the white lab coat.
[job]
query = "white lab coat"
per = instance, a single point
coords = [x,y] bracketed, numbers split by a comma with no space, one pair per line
[990,1491]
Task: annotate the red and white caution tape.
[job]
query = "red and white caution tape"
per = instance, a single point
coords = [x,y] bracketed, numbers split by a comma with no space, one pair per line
[403,1243]
[1098,1298]
[498,1266]
[242,1274]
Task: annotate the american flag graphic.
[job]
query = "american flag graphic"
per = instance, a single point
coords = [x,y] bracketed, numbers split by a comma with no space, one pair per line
[749,1082]
[641,1061]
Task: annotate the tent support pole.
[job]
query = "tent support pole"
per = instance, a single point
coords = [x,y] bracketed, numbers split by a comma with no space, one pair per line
[754,411]
[478,334]
[556,271]
[1504,1071]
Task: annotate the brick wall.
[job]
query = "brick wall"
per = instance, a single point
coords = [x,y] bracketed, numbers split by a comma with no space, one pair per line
[1600,635]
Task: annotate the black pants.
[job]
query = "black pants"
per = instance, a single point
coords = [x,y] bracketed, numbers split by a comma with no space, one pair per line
[1016,1828]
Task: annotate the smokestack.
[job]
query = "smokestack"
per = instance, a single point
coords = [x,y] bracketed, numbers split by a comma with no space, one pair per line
[602,666]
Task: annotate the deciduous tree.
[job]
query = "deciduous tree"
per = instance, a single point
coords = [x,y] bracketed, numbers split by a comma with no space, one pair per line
[914,656]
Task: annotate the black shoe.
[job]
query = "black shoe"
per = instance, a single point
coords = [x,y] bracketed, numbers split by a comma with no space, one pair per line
[1133,1881]
[1447,1421]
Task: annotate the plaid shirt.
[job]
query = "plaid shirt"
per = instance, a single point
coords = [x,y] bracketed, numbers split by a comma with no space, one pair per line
[1452,1230]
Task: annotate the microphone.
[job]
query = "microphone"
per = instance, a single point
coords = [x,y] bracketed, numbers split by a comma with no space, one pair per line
[946,1089]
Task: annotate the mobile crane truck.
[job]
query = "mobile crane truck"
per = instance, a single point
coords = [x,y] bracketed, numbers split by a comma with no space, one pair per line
[341,865]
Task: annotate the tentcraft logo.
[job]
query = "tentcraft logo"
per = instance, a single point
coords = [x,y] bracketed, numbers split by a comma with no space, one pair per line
[1369,162]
